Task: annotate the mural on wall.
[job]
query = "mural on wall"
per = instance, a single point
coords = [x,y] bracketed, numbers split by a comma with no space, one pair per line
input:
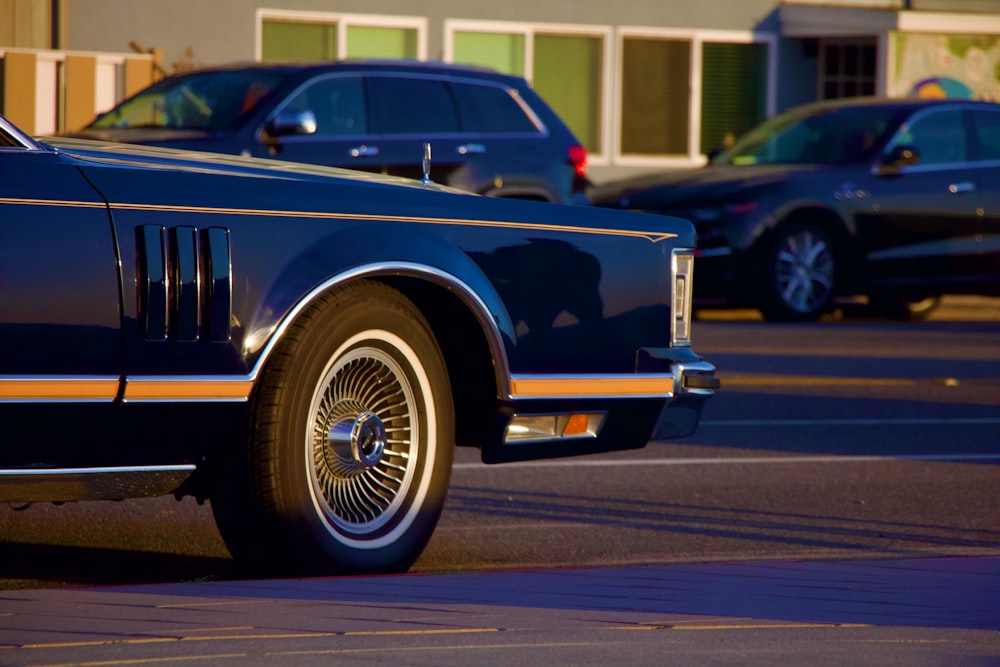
[959,66]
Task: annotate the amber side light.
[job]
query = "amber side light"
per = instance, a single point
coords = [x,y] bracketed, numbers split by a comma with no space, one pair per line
[577,425]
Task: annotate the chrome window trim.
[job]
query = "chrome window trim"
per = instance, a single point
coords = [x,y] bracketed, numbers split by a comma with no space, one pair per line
[451,77]
[20,137]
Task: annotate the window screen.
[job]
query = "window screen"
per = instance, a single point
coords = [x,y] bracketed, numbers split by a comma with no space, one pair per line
[381,42]
[655,113]
[500,51]
[733,84]
[287,41]
[567,75]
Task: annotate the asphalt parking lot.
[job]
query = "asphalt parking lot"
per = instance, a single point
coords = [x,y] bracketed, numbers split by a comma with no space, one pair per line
[933,611]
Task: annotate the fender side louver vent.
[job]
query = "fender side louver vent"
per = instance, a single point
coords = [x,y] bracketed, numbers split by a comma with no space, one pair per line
[184,282]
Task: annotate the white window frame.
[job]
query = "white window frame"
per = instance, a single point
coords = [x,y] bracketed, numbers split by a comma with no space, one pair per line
[343,22]
[696,38]
[528,31]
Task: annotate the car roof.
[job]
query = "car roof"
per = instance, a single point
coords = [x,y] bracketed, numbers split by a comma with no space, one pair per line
[400,65]
[909,104]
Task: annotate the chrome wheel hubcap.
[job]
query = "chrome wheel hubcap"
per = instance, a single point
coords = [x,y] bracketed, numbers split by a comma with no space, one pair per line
[804,272]
[363,430]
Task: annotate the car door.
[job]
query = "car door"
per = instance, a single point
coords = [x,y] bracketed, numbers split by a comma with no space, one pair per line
[60,320]
[986,147]
[922,226]
[343,136]
[410,111]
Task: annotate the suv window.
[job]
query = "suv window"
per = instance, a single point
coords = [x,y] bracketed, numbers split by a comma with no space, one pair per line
[988,132]
[939,137]
[406,105]
[490,109]
[338,103]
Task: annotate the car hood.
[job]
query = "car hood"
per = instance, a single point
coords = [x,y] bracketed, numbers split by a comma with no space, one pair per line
[308,187]
[673,189]
[141,135]
[155,157]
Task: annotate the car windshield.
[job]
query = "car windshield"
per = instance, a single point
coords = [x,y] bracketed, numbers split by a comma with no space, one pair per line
[205,101]
[828,136]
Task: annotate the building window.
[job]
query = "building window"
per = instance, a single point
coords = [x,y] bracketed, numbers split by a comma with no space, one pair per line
[566,65]
[655,99]
[733,91]
[847,68]
[684,93]
[287,36]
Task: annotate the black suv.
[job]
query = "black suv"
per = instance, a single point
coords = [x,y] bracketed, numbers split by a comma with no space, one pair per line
[488,133]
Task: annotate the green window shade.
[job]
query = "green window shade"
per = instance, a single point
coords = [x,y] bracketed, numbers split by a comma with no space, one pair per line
[655,98]
[733,85]
[568,75]
[287,41]
[502,52]
[377,42]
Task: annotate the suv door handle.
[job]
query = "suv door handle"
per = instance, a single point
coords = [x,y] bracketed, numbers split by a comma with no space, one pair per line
[364,151]
[468,149]
[956,188]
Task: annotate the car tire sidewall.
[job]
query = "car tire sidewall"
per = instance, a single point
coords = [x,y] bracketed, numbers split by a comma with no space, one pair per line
[374,316]
[773,305]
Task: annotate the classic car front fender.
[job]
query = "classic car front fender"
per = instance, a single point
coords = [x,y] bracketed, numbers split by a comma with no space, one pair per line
[361,252]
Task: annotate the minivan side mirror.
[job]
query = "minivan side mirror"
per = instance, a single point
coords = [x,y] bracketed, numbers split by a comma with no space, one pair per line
[287,123]
[899,156]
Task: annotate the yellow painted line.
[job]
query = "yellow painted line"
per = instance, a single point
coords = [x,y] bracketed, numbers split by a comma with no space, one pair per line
[610,386]
[144,661]
[440,631]
[654,237]
[58,389]
[736,626]
[245,636]
[750,379]
[476,647]
[185,605]
[178,389]
[220,629]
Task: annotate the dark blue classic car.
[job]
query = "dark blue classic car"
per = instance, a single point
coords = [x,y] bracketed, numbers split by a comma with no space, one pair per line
[305,346]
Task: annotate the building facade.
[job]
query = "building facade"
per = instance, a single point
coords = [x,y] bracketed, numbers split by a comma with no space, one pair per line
[644,84]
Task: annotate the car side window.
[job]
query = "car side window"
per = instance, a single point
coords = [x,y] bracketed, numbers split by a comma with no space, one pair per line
[939,137]
[490,109]
[410,105]
[987,125]
[338,104]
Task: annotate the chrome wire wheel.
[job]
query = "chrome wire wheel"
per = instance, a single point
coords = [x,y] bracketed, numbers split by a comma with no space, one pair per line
[804,271]
[361,449]
[351,442]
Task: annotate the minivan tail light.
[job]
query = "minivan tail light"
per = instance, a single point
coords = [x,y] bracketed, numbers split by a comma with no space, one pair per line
[578,158]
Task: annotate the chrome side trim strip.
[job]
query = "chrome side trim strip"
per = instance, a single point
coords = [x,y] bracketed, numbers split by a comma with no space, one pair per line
[44,389]
[632,385]
[180,389]
[52,472]
[37,485]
